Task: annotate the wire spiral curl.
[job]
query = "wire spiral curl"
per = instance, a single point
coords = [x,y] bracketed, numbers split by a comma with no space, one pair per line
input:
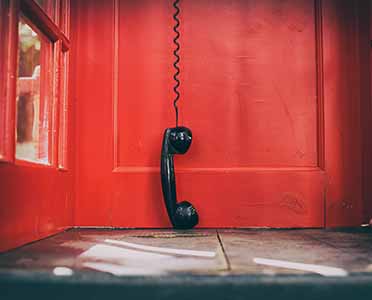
[176,62]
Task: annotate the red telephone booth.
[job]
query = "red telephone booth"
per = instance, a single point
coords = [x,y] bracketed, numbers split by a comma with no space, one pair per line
[277,95]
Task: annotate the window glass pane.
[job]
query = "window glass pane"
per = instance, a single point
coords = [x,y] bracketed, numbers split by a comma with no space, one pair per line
[33,124]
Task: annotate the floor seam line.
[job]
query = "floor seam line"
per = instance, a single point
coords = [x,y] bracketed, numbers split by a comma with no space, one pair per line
[224,252]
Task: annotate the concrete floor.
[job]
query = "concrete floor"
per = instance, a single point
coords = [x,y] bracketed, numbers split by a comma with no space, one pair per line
[252,258]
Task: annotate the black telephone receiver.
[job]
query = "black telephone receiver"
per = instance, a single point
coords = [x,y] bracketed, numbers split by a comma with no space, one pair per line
[176,140]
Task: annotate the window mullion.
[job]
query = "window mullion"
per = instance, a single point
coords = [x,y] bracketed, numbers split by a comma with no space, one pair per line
[55,117]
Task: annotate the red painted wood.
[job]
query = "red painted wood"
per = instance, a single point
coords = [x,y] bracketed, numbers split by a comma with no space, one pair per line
[8,57]
[252,83]
[35,200]
[3,34]
[63,130]
[233,84]
[367,125]
[345,36]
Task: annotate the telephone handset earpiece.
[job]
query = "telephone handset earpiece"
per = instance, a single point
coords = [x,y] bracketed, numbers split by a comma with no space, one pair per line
[176,140]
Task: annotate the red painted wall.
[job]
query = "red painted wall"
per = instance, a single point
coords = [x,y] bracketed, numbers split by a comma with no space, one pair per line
[273,91]
[35,202]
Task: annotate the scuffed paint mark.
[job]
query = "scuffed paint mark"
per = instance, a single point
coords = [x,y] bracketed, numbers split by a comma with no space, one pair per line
[289,117]
[294,203]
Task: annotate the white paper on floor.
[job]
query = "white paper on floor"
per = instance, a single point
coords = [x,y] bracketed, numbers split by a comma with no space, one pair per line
[319,269]
[186,252]
[63,271]
[119,260]
[102,251]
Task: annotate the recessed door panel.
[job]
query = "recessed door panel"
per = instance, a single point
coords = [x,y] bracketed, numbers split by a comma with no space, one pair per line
[248,82]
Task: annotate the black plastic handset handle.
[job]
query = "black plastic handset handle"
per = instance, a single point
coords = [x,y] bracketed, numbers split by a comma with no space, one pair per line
[176,141]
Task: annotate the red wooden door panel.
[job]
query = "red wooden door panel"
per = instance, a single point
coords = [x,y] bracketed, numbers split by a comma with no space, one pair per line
[252,93]
[248,77]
